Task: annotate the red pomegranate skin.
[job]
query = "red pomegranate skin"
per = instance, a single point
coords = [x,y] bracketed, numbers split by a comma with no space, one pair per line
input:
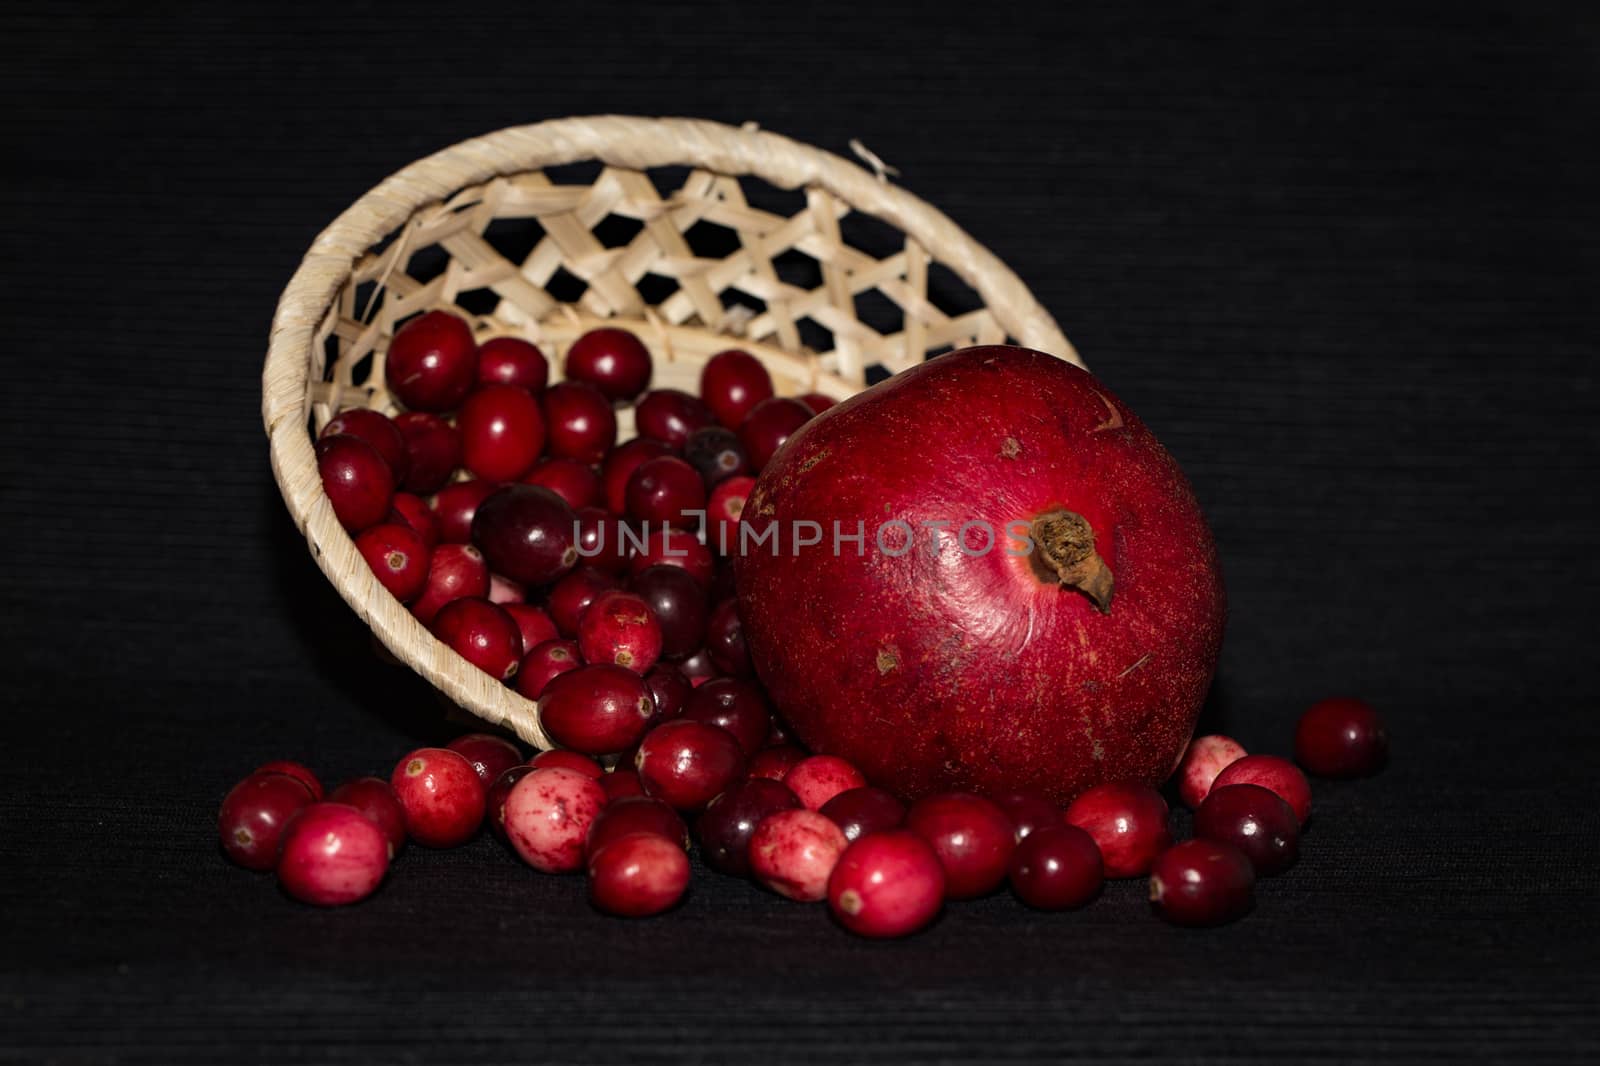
[938,671]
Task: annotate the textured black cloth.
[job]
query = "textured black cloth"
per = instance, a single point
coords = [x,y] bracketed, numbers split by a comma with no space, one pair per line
[1341,257]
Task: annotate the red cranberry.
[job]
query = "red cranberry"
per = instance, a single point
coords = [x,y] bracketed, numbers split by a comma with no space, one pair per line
[598,710]
[441,795]
[670,416]
[859,811]
[377,430]
[512,361]
[717,454]
[573,594]
[792,852]
[299,771]
[618,627]
[621,783]
[489,755]
[1127,821]
[725,827]
[675,547]
[502,432]
[568,760]
[333,855]
[548,815]
[254,814]
[357,480]
[722,586]
[731,383]
[725,641]
[1205,758]
[698,668]
[1028,811]
[619,466]
[665,491]
[525,532]
[575,482]
[819,778]
[1202,882]
[533,623]
[433,451]
[544,664]
[579,421]
[1255,821]
[1056,867]
[688,763]
[454,571]
[413,511]
[887,885]
[613,361]
[775,763]
[638,875]
[1274,773]
[456,505]
[678,602]
[817,402]
[723,512]
[373,797]
[1341,737]
[768,425]
[481,633]
[397,557]
[636,814]
[737,706]
[432,362]
[972,836]
[669,689]
[600,540]
[495,801]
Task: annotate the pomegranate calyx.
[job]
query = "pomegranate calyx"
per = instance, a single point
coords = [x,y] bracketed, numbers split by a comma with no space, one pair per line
[1066,554]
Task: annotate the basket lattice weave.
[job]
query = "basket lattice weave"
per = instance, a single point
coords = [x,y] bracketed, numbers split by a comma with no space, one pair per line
[482,229]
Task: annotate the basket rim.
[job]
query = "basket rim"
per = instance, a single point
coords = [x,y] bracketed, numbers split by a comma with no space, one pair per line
[635,142]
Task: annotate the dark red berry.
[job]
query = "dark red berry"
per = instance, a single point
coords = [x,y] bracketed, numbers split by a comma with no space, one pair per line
[544,664]
[817,402]
[725,641]
[397,558]
[688,763]
[373,797]
[432,362]
[697,668]
[299,771]
[533,623]
[502,432]
[575,482]
[598,710]
[768,425]
[489,755]
[621,783]
[972,836]
[717,454]
[731,383]
[1254,820]
[636,814]
[495,800]
[665,491]
[818,778]
[723,513]
[525,532]
[573,594]
[859,811]
[1127,821]
[675,547]
[1028,811]
[670,416]
[376,429]
[618,627]
[512,361]
[793,852]
[254,815]
[638,875]
[1341,737]
[1202,882]
[678,602]
[357,481]
[887,885]
[481,633]
[1056,867]
[601,542]
[735,705]
[1270,772]
[441,795]
[775,763]
[579,422]
[454,571]
[669,688]
[613,361]
[548,815]
[619,467]
[332,855]
[433,451]
[456,505]
[413,511]
[725,827]
[568,760]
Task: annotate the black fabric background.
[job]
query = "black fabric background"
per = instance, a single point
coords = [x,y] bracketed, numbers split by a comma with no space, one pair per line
[1341,257]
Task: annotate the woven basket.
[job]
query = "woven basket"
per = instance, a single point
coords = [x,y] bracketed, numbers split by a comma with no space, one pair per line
[694,235]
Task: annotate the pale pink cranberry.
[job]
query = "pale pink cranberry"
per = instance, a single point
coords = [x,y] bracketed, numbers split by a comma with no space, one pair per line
[793,852]
[547,817]
[1127,821]
[299,771]
[1274,774]
[819,778]
[373,797]
[489,755]
[332,855]
[503,592]
[972,837]
[441,795]
[887,885]
[254,814]
[638,875]
[495,800]
[1207,757]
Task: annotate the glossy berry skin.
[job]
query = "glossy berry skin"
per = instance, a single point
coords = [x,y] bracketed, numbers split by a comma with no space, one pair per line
[489,755]
[600,541]
[665,491]
[618,627]
[621,783]
[768,425]
[859,811]
[575,482]
[1056,867]
[638,875]
[725,641]
[568,760]
[525,532]
[887,885]
[397,557]
[597,710]
[1202,882]
[495,798]
[1127,821]
[735,705]
[502,432]
[573,594]
[454,571]
[619,467]
[373,797]
[481,633]
[972,837]
[671,416]
[613,361]
[688,763]
[548,815]
[724,510]
[441,795]
[414,512]
[533,623]
[299,771]
[359,484]
[817,402]
[717,454]
[579,422]
[512,361]
[433,451]
[1028,811]
[1275,774]
[733,382]
[792,852]
[675,547]
[669,688]
[678,603]
[456,505]
[728,823]
[636,814]
[697,668]
[432,362]
[818,778]
[1205,758]
[1341,737]
[332,855]
[254,814]
[544,664]
[1254,820]
[376,429]
[775,763]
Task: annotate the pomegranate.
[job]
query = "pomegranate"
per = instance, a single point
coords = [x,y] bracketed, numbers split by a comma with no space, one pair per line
[1034,602]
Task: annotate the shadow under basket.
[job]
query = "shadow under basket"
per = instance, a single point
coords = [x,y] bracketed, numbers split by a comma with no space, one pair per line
[695,236]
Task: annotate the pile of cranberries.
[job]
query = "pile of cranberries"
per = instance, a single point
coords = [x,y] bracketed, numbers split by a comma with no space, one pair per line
[593,576]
